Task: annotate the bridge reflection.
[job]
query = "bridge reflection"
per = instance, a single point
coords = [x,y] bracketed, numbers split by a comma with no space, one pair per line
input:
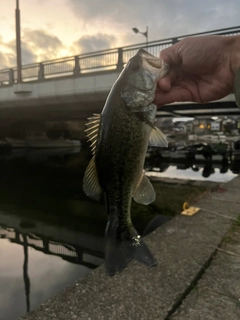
[70,252]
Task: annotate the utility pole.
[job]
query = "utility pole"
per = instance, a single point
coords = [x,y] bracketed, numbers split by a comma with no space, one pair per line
[18,43]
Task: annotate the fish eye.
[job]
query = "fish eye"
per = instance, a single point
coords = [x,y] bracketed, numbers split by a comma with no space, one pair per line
[135,68]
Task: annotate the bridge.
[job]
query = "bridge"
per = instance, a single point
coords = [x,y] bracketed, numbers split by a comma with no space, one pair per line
[72,88]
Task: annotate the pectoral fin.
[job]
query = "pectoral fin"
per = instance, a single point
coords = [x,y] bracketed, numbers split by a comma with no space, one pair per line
[157,138]
[144,193]
[91,184]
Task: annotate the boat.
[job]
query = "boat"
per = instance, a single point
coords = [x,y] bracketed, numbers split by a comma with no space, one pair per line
[41,140]
[16,143]
[213,138]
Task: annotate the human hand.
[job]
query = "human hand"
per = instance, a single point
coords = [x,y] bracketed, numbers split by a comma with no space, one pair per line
[202,69]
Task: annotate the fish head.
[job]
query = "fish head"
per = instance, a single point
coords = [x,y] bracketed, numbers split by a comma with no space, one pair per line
[140,77]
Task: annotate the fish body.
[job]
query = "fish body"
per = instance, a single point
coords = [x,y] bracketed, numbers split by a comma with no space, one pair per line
[120,137]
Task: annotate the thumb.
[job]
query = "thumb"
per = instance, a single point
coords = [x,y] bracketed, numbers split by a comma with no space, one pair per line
[169,55]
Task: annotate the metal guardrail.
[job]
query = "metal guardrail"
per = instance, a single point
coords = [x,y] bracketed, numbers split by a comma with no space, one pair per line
[104,60]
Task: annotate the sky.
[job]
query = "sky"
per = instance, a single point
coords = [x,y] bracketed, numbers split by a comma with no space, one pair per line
[58,28]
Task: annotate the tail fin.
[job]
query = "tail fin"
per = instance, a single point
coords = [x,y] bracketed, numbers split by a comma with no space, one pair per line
[121,250]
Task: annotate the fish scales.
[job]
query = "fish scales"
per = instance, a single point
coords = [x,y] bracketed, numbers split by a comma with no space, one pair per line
[124,154]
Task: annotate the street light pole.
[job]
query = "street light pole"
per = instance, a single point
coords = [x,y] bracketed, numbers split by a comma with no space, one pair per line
[145,34]
[18,43]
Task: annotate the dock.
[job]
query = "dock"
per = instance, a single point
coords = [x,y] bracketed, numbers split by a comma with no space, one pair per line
[197,276]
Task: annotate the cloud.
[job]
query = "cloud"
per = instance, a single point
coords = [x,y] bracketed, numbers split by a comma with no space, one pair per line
[36,45]
[163,18]
[43,45]
[3,61]
[94,25]
[7,56]
[90,43]
[28,54]
[40,38]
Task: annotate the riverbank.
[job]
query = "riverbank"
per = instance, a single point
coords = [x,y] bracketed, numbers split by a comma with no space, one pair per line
[189,252]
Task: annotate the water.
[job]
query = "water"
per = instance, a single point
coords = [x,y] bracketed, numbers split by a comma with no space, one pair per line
[51,234]
[28,277]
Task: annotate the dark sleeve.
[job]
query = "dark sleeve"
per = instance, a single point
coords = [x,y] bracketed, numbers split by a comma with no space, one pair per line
[237,87]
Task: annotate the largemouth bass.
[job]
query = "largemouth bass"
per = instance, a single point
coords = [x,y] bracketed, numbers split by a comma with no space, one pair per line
[119,139]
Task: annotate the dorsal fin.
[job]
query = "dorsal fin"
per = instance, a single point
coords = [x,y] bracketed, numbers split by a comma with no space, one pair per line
[157,138]
[91,184]
[92,131]
[144,193]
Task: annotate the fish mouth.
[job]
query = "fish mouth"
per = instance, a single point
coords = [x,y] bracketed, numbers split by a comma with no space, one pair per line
[150,59]
[153,64]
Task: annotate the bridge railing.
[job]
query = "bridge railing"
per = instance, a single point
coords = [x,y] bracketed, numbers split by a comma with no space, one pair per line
[104,60]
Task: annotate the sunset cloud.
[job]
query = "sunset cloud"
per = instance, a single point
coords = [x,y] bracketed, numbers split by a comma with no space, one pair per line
[36,45]
[45,46]
[90,43]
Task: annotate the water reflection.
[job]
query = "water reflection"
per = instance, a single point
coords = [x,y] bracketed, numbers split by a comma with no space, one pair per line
[47,275]
[188,166]
[88,251]
[25,272]
[174,172]
[87,254]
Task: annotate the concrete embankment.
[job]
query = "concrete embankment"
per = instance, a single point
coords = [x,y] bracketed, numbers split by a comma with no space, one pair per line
[197,276]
